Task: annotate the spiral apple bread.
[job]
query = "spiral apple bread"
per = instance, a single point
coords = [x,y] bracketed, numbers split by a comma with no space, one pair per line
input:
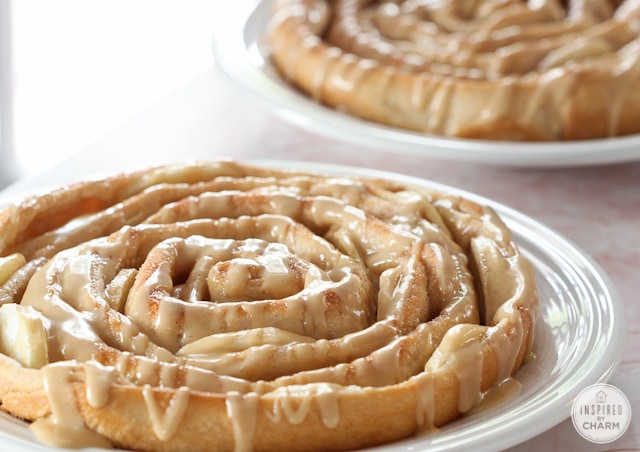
[223,306]
[503,70]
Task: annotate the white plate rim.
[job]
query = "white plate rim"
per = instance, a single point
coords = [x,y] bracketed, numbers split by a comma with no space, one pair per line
[239,51]
[539,413]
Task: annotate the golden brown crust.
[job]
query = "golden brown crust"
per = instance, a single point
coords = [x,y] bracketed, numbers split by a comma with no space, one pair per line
[22,390]
[414,303]
[510,72]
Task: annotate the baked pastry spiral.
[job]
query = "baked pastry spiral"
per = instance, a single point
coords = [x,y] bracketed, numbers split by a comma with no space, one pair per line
[224,306]
[503,70]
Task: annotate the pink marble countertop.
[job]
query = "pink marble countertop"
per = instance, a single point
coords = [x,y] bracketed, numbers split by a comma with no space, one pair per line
[596,208]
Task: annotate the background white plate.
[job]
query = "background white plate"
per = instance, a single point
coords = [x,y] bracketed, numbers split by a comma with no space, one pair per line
[579,338]
[241,51]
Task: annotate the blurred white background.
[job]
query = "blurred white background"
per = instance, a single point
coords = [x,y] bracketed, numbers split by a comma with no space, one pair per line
[81,67]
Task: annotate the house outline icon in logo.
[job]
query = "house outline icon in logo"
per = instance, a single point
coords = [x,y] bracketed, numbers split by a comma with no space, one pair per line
[601,397]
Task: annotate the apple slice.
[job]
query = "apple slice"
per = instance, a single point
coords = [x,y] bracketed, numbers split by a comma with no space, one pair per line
[23,335]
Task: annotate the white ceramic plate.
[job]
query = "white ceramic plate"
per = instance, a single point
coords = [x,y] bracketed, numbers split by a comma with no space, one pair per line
[579,339]
[241,51]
